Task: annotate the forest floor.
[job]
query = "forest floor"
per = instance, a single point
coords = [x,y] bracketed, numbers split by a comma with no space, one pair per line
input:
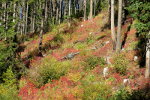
[80,81]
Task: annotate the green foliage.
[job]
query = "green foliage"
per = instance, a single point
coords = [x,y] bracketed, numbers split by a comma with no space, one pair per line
[93,61]
[121,94]
[8,89]
[120,63]
[6,57]
[90,39]
[49,70]
[95,89]
[80,46]
[140,10]
[133,45]
[58,39]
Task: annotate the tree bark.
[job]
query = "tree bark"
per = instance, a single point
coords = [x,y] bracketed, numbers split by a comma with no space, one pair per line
[109,12]
[147,72]
[91,9]
[118,46]
[84,10]
[113,33]
[26,22]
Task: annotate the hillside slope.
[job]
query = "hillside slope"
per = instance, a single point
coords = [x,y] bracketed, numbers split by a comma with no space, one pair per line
[74,69]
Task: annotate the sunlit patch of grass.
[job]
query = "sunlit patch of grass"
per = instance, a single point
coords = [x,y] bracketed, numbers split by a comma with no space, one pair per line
[92,61]
[133,45]
[67,45]
[80,46]
[95,88]
[100,37]
[75,76]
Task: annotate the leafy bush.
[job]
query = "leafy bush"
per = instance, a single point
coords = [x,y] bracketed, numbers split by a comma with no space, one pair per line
[80,46]
[58,39]
[121,94]
[90,39]
[95,89]
[93,61]
[49,70]
[120,63]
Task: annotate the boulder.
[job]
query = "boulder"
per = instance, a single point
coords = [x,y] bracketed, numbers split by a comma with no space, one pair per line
[105,71]
[126,82]
[135,58]
[108,60]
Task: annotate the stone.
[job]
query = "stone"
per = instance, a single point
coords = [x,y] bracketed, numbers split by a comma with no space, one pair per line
[94,48]
[90,33]
[44,55]
[135,58]
[126,82]
[105,71]
[81,25]
[123,49]
[107,42]
[70,55]
[108,60]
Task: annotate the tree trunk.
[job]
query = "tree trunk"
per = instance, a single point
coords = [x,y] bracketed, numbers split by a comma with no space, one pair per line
[26,22]
[84,10]
[113,33]
[91,9]
[41,36]
[118,46]
[109,12]
[69,8]
[14,12]
[147,72]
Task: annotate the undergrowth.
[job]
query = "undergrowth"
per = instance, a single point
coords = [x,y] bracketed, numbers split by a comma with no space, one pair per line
[49,70]
[93,61]
[120,63]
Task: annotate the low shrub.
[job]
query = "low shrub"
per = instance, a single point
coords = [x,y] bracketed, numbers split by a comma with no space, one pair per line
[121,94]
[91,39]
[93,61]
[49,70]
[120,63]
[80,46]
[95,89]
[58,39]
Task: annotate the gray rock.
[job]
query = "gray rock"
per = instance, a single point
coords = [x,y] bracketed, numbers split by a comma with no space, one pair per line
[94,48]
[70,56]
[135,58]
[123,49]
[105,71]
[108,60]
[126,82]
[107,42]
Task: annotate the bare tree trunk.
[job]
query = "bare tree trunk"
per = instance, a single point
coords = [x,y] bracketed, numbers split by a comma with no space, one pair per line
[147,72]
[118,46]
[57,12]
[26,22]
[41,33]
[69,8]
[91,9]
[60,11]
[23,24]
[113,33]
[109,11]
[94,8]
[84,10]
[14,12]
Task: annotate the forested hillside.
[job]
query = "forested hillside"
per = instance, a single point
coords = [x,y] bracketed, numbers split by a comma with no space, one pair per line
[74,50]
